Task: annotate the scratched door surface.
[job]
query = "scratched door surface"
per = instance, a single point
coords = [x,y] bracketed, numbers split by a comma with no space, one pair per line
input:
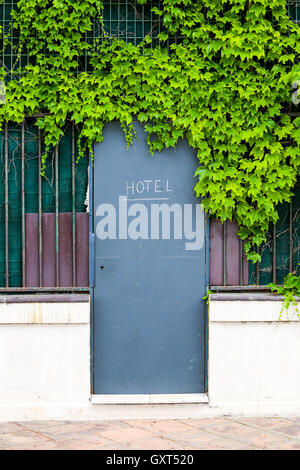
[149,269]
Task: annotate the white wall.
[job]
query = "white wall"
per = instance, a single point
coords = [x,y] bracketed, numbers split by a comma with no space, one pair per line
[254,359]
[44,358]
[45,368]
[254,364]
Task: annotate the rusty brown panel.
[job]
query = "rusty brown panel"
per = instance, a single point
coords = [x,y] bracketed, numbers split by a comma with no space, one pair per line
[233,255]
[48,257]
[32,250]
[65,249]
[216,253]
[82,249]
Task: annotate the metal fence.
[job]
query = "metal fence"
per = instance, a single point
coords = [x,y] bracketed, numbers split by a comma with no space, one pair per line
[130,21]
[43,220]
[280,254]
[125,20]
[38,225]
[294,10]
[43,223]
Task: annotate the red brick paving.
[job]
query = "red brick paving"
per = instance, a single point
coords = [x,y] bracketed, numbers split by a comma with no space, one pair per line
[191,434]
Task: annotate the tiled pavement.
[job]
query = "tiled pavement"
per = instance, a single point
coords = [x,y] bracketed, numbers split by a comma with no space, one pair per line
[191,434]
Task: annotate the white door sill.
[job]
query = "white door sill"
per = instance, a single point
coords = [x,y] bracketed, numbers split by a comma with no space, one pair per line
[149,399]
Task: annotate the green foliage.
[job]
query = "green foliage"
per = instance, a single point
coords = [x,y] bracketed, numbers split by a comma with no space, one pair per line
[206,297]
[224,86]
[290,290]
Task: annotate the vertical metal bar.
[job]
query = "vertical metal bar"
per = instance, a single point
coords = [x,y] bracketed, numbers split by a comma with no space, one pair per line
[225,253]
[291,237]
[110,19]
[143,24]
[11,44]
[274,254]
[135,28]
[85,54]
[241,264]
[23,205]
[40,210]
[207,282]
[73,209]
[126,23]
[159,31]
[6,203]
[3,32]
[91,263]
[118,20]
[56,218]
[207,250]
[257,270]
[91,221]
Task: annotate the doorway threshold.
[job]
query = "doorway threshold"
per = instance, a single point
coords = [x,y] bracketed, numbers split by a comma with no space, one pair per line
[149,399]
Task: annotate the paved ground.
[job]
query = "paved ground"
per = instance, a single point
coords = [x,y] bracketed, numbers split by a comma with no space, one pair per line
[208,434]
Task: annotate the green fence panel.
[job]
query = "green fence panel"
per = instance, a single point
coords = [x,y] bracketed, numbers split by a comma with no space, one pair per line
[31,177]
[286,256]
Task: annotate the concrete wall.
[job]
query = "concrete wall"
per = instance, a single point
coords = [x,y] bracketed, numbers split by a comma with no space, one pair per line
[44,358]
[254,359]
[253,367]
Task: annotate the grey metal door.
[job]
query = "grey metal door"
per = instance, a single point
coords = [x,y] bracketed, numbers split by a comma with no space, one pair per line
[149,269]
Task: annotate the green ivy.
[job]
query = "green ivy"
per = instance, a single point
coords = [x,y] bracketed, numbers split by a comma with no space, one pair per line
[225,85]
[290,290]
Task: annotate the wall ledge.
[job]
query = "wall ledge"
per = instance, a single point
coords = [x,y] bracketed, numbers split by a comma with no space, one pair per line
[39,313]
[247,297]
[245,311]
[43,298]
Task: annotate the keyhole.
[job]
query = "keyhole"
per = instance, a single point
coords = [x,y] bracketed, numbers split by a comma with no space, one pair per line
[101,267]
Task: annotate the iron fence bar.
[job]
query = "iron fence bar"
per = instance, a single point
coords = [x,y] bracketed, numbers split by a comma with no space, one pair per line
[73,210]
[291,237]
[257,271]
[44,289]
[135,32]
[110,18]
[143,22]
[56,218]
[40,209]
[241,263]
[11,45]
[250,287]
[6,203]
[274,254]
[3,32]
[225,253]
[118,20]
[159,29]
[23,206]
[126,28]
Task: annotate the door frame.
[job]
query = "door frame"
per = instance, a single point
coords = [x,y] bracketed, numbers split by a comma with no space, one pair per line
[151,398]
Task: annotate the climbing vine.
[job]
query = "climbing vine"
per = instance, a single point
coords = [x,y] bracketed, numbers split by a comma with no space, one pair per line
[224,84]
[290,290]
